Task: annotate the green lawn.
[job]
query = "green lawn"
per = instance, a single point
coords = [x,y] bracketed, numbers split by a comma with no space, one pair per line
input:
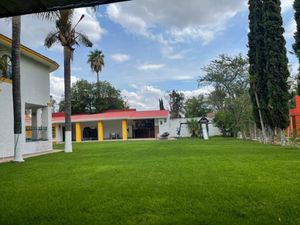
[223,181]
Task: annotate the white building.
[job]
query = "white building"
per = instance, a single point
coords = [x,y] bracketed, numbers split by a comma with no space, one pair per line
[35,94]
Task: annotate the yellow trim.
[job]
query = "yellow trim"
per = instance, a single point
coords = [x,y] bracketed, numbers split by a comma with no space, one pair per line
[100,131]
[124,130]
[78,132]
[29,52]
[5,80]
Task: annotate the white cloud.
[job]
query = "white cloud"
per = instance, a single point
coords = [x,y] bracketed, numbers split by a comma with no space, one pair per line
[57,87]
[150,67]
[286,5]
[146,97]
[182,21]
[120,57]
[34,30]
[169,52]
[290,29]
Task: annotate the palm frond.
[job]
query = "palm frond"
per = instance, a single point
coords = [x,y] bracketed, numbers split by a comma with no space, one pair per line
[51,39]
[51,16]
[83,39]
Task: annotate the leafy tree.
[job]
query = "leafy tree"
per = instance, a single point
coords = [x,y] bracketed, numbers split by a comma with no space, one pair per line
[161,104]
[230,99]
[94,98]
[108,98]
[66,35]
[176,100]
[193,127]
[296,46]
[196,107]
[276,66]
[96,61]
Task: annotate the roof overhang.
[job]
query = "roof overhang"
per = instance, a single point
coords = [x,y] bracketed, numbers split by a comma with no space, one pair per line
[62,120]
[10,8]
[52,65]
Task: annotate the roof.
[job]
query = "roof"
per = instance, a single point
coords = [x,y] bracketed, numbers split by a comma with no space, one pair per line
[6,41]
[10,8]
[112,115]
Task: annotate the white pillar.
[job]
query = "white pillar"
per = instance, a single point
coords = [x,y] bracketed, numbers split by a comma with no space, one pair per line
[46,123]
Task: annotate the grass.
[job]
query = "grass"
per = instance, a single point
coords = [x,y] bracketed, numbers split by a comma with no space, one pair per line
[222,181]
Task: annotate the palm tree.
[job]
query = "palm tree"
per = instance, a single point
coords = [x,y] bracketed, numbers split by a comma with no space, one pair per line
[16,76]
[96,61]
[66,35]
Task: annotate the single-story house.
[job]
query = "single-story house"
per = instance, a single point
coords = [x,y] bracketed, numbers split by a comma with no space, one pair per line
[122,124]
[118,124]
[35,95]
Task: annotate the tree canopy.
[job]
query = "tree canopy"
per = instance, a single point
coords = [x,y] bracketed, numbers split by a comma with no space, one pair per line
[94,98]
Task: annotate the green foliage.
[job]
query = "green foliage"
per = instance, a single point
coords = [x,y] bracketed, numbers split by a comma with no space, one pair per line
[257,62]
[193,127]
[268,64]
[96,61]
[230,99]
[196,107]
[94,98]
[183,182]
[276,66]
[296,45]
[176,100]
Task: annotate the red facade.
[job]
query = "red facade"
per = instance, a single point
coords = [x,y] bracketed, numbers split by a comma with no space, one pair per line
[295,118]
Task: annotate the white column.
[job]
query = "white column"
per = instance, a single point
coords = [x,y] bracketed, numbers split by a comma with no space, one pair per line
[46,122]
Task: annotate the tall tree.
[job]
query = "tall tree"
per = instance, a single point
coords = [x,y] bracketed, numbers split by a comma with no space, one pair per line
[16,76]
[161,104]
[96,61]
[196,107]
[176,100]
[258,79]
[230,78]
[66,35]
[296,46]
[276,65]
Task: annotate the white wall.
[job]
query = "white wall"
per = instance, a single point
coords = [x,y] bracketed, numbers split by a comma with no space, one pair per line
[172,125]
[113,126]
[6,120]
[35,89]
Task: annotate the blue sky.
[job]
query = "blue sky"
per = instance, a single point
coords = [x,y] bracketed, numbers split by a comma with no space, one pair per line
[153,46]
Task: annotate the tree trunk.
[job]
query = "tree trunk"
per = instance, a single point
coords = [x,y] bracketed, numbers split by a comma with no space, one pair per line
[97,77]
[17,103]
[261,119]
[68,110]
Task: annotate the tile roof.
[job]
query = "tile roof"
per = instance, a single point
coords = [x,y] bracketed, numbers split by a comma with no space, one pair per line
[112,115]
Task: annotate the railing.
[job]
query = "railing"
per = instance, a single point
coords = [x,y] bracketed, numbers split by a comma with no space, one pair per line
[36,134]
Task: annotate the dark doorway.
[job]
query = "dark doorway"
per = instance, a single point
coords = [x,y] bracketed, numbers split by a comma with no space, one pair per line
[143,128]
[63,130]
[90,134]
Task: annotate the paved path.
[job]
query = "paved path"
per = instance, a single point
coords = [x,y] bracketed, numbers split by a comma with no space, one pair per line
[8,159]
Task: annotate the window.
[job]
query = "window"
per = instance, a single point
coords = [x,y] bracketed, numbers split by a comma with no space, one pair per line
[161,122]
[53,132]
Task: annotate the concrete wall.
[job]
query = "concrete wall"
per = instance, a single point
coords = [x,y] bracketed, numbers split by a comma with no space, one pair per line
[172,125]
[112,126]
[6,120]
